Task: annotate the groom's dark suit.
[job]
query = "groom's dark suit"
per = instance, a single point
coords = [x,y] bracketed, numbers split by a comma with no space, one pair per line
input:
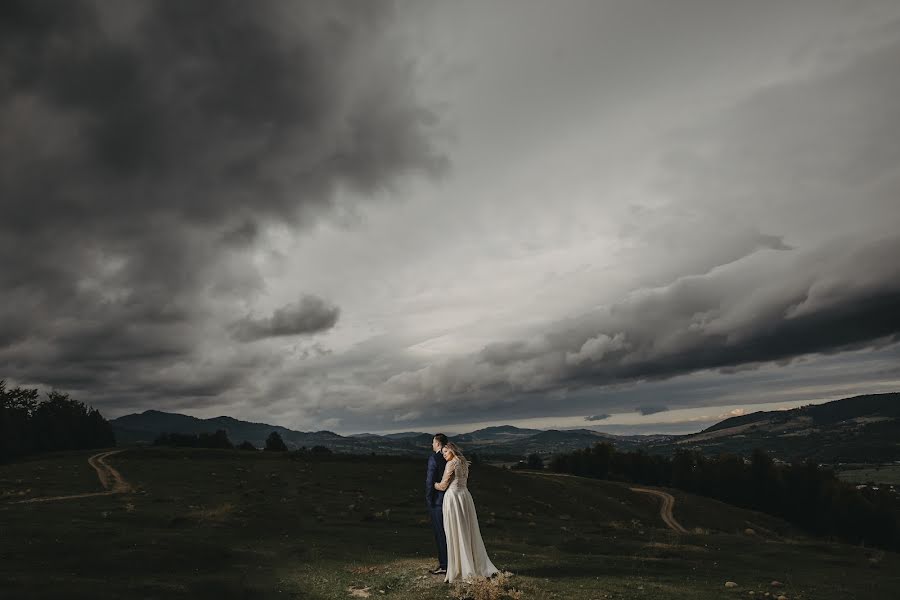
[433,500]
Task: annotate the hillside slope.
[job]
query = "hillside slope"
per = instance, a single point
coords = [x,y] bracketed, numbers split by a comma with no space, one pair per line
[858,429]
[211,524]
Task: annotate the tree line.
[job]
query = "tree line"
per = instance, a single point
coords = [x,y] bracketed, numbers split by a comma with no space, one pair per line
[802,493]
[219,439]
[29,425]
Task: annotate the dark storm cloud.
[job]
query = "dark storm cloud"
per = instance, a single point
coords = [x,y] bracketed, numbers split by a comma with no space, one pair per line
[812,158]
[602,417]
[145,144]
[650,410]
[310,315]
[749,314]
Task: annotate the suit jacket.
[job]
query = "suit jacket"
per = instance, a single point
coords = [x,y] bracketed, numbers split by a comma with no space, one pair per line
[433,474]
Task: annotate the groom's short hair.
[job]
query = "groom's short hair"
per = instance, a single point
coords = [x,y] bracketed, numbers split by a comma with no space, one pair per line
[440,437]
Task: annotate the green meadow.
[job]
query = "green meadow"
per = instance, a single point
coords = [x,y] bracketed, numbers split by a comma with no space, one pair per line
[881,474]
[213,524]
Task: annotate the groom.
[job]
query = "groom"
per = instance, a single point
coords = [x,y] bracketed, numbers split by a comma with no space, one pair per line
[434,499]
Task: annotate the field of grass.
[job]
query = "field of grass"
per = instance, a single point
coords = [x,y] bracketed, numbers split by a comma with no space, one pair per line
[228,525]
[889,474]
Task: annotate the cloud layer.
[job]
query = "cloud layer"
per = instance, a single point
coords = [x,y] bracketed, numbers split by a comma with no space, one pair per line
[748,312]
[310,315]
[147,144]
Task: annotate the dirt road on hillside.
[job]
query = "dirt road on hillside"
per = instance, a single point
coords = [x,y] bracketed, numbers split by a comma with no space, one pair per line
[665,510]
[111,480]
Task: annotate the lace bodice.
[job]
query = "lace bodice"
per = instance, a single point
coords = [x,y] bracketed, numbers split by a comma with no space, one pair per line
[456,475]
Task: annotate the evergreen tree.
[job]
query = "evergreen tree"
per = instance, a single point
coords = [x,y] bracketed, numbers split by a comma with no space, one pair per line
[274,443]
[16,407]
[219,439]
[28,425]
[534,461]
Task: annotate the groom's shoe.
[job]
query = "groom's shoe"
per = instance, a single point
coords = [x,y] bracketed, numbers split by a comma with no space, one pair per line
[439,571]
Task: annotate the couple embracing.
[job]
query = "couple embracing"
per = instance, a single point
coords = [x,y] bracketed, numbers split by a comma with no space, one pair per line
[461,552]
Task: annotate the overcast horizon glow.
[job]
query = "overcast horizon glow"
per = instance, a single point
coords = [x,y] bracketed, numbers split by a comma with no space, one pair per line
[392,216]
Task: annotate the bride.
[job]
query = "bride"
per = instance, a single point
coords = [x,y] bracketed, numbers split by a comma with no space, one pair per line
[466,556]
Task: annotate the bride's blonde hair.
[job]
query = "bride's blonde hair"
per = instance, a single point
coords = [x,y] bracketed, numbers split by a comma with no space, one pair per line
[457,452]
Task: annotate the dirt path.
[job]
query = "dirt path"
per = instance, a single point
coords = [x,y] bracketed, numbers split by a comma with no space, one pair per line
[665,511]
[105,472]
[111,480]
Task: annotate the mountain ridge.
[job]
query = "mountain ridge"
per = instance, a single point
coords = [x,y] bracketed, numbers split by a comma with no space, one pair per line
[860,428]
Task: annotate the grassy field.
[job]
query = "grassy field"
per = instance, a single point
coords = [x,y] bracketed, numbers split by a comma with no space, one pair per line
[227,524]
[889,474]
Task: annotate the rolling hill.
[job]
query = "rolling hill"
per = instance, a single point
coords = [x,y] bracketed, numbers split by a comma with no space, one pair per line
[862,429]
[143,428]
[859,430]
[503,441]
[212,524]
[500,434]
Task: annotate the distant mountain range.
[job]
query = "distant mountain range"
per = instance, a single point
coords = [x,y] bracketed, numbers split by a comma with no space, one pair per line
[501,441]
[143,428]
[859,429]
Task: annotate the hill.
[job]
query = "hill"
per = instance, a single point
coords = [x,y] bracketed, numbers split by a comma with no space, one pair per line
[501,441]
[500,434]
[206,524]
[400,436]
[143,428]
[146,426]
[553,440]
[883,406]
[862,429]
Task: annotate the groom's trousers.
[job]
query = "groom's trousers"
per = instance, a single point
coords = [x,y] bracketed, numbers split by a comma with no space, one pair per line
[437,524]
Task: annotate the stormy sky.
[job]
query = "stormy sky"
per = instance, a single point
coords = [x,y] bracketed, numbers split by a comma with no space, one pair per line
[630,215]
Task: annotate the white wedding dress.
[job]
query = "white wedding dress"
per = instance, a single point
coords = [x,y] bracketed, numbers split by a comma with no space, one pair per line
[466,555]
